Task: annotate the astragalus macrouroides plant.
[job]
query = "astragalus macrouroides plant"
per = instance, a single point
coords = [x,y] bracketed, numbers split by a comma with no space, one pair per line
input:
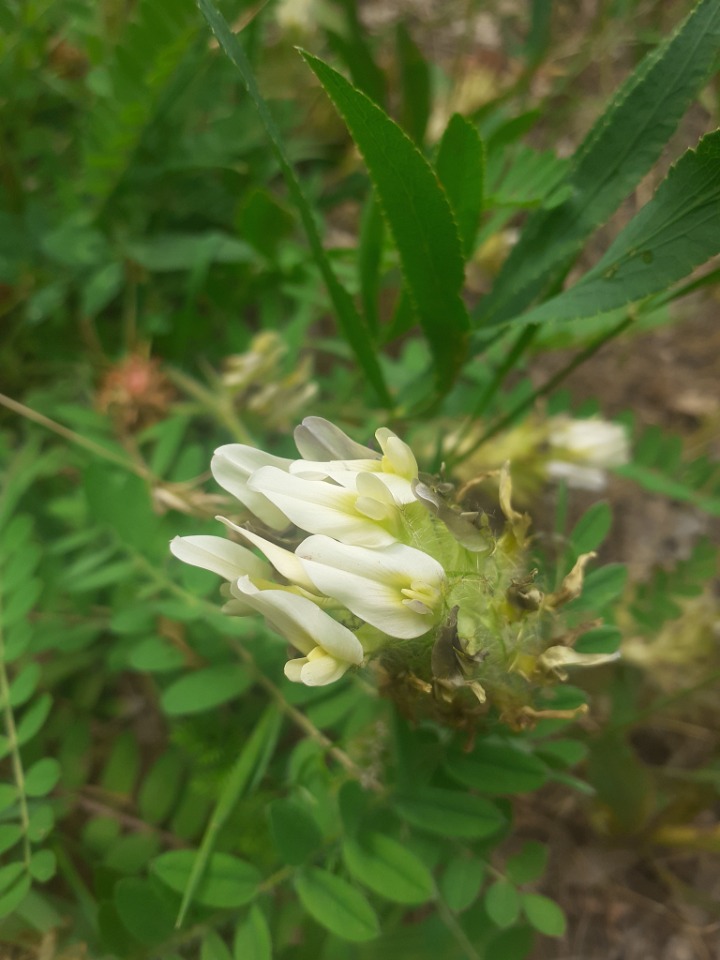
[367,560]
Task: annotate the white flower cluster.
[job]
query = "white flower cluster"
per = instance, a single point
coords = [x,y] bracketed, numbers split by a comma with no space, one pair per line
[356,579]
[582,450]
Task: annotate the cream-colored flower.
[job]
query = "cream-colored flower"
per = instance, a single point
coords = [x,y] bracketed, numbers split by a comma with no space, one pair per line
[397,588]
[329,648]
[233,465]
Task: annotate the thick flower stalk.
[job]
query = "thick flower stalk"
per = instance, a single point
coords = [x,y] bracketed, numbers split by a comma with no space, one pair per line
[357,559]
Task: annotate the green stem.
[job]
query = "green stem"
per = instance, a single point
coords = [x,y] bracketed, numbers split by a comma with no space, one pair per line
[548,387]
[451,922]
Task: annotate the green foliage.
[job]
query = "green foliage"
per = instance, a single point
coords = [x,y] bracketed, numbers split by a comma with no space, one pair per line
[166,792]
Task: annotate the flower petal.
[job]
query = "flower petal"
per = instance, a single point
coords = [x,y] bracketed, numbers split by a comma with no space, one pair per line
[320,507]
[319,671]
[284,561]
[229,560]
[301,621]
[376,584]
[319,439]
[232,466]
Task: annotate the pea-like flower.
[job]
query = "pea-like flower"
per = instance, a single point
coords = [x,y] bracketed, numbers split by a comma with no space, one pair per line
[356,560]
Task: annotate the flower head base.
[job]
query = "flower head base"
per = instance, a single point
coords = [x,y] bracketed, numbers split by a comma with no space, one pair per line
[377,566]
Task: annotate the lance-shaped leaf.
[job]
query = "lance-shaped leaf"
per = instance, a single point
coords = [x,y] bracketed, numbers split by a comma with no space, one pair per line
[620,148]
[675,232]
[419,216]
[351,323]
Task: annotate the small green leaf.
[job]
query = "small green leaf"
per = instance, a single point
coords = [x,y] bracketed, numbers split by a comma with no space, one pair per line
[601,587]
[205,689]
[161,788]
[13,897]
[33,718]
[24,684]
[10,833]
[528,864]
[227,881]
[155,655]
[544,914]
[497,769]
[214,947]
[144,908]
[42,819]
[592,528]
[43,865]
[123,765]
[502,903]
[8,795]
[20,602]
[450,814]
[605,639]
[295,831]
[336,905]
[42,777]
[388,868]
[252,937]
[9,874]
[461,881]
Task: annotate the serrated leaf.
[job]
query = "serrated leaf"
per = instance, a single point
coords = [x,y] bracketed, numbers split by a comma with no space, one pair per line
[42,777]
[460,166]
[678,230]
[295,831]
[497,769]
[419,217]
[450,814]
[205,689]
[502,903]
[461,881]
[619,149]
[351,323]
[544,914]
[336,905]
[227,881]
[388,868]
[252,939]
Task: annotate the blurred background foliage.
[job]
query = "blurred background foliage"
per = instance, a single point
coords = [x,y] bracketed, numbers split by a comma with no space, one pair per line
[162,292]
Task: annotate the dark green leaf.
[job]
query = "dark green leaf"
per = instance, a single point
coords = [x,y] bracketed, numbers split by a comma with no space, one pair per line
[415,85]
[419,216]
[675,232]
[622,145]
[351,323]
[295,831]
[145,909]
[336,905]
[161,787]
[460,166]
